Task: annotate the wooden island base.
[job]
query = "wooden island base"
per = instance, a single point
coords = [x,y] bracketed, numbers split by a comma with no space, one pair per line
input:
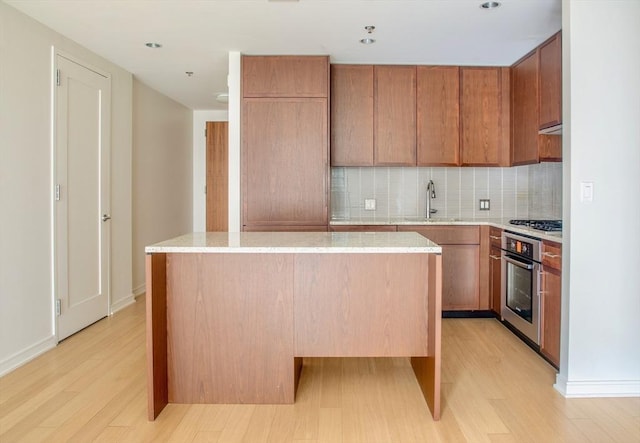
[233,327]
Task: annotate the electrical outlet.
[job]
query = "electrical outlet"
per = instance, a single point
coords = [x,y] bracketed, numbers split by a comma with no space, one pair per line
[369,204]
[485,204]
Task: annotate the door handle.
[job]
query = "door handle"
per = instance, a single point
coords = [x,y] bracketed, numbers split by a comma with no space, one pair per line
[106,217]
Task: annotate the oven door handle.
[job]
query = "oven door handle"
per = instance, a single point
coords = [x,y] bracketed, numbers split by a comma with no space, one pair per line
[518,263]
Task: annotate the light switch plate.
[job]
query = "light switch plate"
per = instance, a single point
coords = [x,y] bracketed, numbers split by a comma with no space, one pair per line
[369,204]
[586,192]
[485,204]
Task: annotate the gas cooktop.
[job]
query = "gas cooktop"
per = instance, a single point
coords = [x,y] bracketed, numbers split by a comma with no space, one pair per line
[541,225]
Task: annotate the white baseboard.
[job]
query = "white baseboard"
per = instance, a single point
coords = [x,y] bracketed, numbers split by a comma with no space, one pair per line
[592,389]
[26,355]
[139,290]
[122,303]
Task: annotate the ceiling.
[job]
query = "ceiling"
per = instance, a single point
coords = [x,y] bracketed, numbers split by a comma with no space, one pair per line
[196,35]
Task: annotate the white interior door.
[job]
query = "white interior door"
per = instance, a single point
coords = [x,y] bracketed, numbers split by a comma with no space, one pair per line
[82,154]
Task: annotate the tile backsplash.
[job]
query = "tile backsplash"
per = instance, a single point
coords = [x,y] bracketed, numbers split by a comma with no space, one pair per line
[533,191]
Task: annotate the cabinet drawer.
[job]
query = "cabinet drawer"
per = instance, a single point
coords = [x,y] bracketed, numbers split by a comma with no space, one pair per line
[447,235]
[495,237]
[552,255]
[284,228]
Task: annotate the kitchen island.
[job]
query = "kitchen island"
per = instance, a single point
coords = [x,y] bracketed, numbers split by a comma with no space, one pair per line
[230,316]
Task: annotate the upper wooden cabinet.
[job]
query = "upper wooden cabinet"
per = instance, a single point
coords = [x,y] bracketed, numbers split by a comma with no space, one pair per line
[524,110]
[550,54]
[438,116]
[285,76]
[484,115]
[351,115]
[394,115]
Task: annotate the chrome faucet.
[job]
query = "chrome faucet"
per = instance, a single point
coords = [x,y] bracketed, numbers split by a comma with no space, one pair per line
[431,193]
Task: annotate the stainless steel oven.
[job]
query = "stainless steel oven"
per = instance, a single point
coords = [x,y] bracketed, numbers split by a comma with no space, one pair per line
[521,283]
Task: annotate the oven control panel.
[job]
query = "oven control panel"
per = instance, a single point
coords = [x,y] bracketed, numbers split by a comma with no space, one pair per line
[522,246]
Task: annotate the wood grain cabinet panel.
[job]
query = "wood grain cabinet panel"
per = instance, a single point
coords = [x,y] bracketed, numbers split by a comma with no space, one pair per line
[495,285]
[551,301]
[484,116]
[285,161]
[285,76]
[395,115]
[460,264]
[438,116]
[524,110]
[550,113]
[351,115]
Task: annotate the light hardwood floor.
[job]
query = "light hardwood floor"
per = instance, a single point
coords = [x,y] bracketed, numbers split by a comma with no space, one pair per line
[495,389]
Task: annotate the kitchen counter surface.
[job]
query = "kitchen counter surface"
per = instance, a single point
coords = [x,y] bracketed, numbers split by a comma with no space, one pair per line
[421,221]
[297,242]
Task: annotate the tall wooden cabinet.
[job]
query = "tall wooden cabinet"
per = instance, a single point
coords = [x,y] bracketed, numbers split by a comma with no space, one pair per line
[285,143]
[484,115]
[438,116]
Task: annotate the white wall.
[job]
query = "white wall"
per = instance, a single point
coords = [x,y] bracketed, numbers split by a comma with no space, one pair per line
[26,315]
[200,119]
[601,288]
[162,173]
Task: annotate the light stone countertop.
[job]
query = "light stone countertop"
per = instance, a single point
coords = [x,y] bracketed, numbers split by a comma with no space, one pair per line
[422,221]
[297,242]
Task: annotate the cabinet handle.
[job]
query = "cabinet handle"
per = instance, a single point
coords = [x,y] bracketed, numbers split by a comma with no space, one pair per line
[495,257]
[495,238]
[550,255]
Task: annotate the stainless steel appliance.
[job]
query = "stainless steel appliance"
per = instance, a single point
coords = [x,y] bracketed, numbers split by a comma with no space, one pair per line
[521,256]
[541,225]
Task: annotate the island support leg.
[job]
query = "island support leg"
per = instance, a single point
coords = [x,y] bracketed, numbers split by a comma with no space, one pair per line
[427,369]
[156,300]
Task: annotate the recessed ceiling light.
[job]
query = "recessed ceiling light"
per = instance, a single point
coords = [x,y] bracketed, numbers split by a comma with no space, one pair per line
[368,40]
[153,45]
[490,5]
[222,97]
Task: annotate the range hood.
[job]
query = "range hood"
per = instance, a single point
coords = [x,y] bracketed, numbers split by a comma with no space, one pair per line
[551,130]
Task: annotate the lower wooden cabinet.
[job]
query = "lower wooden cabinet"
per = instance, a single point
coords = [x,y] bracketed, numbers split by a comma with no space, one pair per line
[551,301]
[495,269]
[460,264]
[284,228]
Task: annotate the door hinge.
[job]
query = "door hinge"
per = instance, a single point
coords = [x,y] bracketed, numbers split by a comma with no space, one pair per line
[57,307]
[57,193]
[57,77]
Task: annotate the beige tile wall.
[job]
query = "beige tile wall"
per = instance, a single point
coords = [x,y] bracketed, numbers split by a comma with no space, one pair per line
[520,192]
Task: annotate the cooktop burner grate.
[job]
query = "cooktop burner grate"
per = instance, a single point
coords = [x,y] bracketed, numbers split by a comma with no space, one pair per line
[541,225]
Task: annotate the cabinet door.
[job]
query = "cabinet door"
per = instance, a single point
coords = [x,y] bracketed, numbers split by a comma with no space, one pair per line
[285,161]
[550,113]
[351,115]
[524,110]
[460,277]
[550,308]
[438,115]
[484,117]
[285,76]
[495,264]
[395,115]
